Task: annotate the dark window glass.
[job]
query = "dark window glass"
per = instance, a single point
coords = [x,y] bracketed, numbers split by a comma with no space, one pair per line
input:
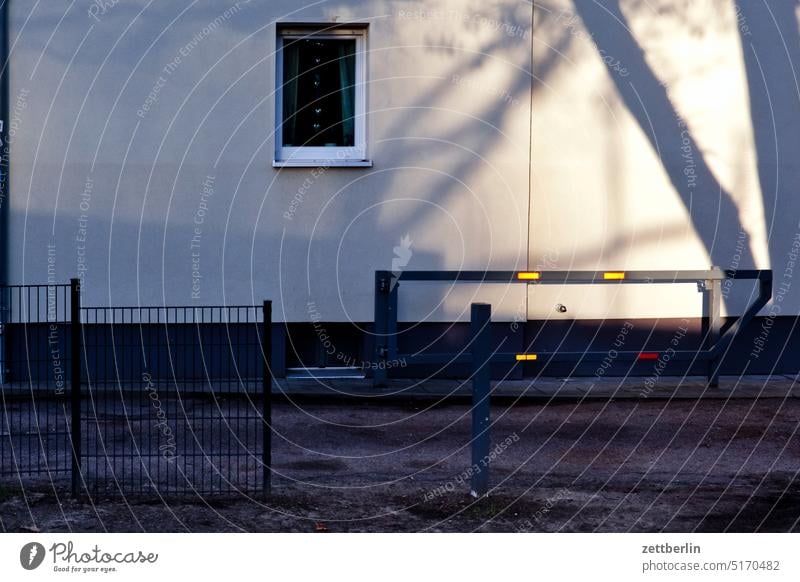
[319,92]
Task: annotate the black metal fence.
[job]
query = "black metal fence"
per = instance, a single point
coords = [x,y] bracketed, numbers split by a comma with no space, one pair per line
[34,365]
[148,400]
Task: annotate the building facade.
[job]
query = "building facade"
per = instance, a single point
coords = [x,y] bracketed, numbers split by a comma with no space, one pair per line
[205,153]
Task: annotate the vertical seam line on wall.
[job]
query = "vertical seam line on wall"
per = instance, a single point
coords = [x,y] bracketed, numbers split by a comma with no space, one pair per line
[530,167]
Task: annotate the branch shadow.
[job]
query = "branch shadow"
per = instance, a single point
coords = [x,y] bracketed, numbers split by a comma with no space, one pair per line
[771,62]
[711,207]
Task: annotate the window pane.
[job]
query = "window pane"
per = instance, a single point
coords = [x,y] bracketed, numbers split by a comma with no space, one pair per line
[319,92]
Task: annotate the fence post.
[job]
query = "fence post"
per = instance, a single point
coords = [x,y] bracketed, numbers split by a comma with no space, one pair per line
[75,382]
[266,390]
[480,318]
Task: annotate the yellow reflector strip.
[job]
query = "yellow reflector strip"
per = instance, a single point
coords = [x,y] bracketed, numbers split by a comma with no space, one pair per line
[613,275]
[528,275]
[526,357]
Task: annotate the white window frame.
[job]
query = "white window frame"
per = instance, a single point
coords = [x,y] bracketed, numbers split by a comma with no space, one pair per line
[313,156]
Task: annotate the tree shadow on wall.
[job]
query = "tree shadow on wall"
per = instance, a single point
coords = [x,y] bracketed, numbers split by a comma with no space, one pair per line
[712,209]
[770,43]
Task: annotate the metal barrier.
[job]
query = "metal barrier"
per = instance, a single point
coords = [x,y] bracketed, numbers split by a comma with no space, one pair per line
[387,285]
[479,354]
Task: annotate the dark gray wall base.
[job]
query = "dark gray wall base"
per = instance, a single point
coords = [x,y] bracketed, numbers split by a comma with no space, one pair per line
[39,352]
[765,346]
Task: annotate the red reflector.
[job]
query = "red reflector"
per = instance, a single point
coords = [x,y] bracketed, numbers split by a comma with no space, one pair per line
[648,356]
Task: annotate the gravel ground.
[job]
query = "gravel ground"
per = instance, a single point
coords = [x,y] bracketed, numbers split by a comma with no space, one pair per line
[648,465]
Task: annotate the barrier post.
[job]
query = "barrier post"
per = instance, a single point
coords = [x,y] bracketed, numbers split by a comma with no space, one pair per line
[391,325]
[75,382]
[266,392]
[715,327]
[383,281]
[480,318]
[712,327]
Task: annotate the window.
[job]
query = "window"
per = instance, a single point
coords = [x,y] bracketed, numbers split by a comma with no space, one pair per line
[320,101]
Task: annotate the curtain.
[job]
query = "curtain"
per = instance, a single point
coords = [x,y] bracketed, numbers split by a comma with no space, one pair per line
[291,70]
[347,78]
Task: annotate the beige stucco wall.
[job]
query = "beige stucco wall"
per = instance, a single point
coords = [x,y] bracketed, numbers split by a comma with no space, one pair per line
[644,155]
[448,97]
[660,160]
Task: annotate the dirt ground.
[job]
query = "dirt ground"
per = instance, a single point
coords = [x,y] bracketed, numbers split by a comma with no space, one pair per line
[648,465]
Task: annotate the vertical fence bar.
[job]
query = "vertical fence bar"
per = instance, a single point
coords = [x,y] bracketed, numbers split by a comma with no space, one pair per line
[75,387]
[266,386]
[480,317]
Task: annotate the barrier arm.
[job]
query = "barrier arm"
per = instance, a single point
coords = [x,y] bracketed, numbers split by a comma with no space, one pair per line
[386,302]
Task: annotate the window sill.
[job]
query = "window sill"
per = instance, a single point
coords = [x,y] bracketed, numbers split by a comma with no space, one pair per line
[322,163]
